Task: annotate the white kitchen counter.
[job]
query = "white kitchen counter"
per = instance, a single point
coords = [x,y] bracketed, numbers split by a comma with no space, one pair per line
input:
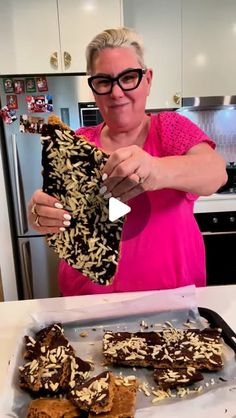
[15,315]
[215,203]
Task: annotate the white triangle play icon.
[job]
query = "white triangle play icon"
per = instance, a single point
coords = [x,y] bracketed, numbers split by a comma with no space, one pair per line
[117,209]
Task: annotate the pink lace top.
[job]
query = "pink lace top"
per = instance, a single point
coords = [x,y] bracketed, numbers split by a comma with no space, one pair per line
[168,251]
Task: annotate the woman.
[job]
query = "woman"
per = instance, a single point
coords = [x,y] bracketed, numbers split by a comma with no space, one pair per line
[170,160]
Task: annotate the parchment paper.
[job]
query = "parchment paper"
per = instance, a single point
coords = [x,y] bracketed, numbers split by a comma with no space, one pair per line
[176,306]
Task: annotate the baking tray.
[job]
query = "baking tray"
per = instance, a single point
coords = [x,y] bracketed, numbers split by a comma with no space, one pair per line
[216,321]
[90,348]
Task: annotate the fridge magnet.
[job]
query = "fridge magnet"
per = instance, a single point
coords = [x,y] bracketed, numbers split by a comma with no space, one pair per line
[8,115]
[31,124]
[19,86]
[11,101]
[42,84]
[30,85]
[42,103]
[8,85]
[36,103]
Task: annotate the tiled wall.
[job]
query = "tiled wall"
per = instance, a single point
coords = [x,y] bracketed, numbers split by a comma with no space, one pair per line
[220,125]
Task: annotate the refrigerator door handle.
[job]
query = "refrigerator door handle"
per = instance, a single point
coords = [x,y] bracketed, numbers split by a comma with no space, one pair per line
[17,184]
[27,270]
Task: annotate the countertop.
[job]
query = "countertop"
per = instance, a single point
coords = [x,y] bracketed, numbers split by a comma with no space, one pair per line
[217,202]
[15,315]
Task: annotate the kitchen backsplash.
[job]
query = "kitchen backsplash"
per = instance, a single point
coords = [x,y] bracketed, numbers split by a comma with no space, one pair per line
[220,125]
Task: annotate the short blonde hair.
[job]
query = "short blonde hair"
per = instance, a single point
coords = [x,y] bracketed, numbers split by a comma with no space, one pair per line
[114,38]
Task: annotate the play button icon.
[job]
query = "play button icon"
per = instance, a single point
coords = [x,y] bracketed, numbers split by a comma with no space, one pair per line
[117,209]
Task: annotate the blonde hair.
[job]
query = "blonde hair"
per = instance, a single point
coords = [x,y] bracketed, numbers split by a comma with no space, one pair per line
[114,38]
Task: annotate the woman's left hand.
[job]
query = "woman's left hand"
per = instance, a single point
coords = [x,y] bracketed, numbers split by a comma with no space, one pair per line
[130,172]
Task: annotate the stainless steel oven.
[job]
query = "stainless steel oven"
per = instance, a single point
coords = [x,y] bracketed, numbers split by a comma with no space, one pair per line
[219,233]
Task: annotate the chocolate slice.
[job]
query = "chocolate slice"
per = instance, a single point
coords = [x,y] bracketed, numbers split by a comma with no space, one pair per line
[170,348]
[51,336]
[52,373]
[53,367]
[124,401]
[171,378]
[96,395]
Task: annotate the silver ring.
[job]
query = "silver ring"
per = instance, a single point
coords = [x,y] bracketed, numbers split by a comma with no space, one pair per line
[33,209]
[36,222]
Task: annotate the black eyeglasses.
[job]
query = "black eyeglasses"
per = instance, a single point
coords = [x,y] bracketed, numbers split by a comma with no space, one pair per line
[127,80]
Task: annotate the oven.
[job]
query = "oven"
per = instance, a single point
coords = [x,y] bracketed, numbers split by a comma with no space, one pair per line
[219,233]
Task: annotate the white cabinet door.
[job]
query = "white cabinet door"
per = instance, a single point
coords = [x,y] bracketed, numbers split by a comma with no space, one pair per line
[209,47]
[159,22]
[50,36]
[29,36]
[80,21]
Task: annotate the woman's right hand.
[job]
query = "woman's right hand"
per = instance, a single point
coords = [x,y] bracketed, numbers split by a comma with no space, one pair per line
[46,214]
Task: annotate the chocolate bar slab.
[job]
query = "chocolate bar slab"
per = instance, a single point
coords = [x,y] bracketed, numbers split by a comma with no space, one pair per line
[72,172]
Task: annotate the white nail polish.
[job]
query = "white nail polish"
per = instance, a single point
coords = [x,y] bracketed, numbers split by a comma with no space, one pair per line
[66,223]
[62,229]
[118,198]
[67,216]
[58,205]
[104,176]
[103,190]
[107,195]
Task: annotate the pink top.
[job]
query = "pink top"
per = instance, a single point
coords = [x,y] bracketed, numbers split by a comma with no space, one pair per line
[169,251]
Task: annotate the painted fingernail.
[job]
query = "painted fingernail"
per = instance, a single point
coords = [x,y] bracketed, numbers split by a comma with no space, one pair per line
[58,205]
[67,216]
[107,195]
[66,223]
[103,190]
[62,229]
[118,198]
[104,176]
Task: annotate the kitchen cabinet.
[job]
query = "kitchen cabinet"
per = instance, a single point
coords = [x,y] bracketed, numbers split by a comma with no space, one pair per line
[159,23]
[51,36]
[209,45]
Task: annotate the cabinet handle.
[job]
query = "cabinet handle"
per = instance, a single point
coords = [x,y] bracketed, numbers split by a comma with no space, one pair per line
[54,60]
[177,98]
[67,59]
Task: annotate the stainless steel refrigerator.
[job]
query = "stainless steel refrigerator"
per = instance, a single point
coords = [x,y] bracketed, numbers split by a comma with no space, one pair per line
[36,264]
